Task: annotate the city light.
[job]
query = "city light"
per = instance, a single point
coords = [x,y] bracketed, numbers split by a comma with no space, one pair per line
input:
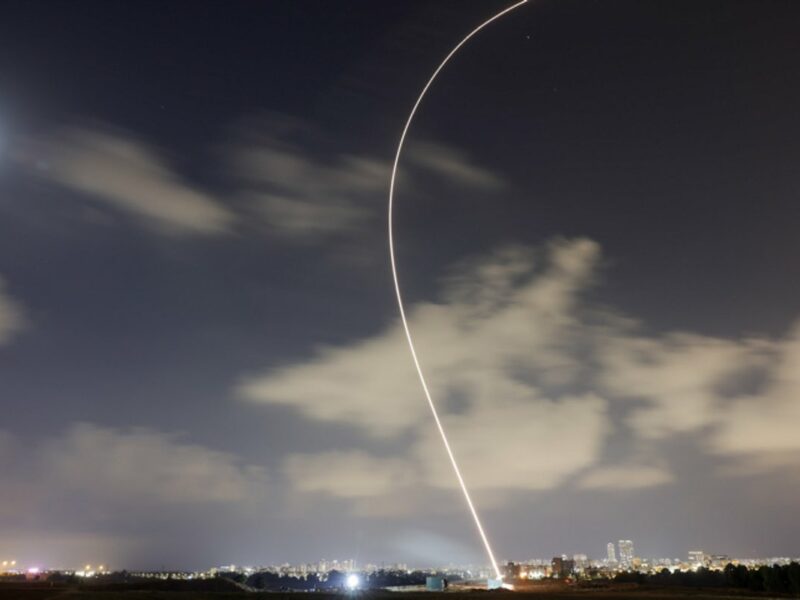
[518,576]
[352,582]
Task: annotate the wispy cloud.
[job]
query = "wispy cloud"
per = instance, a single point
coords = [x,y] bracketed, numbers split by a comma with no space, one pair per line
[273,179]
[625,477]
[454,164]
[11,315]
[132,176]
[145,466]
[300,197]
[306,197]
[109,471]
[347,474]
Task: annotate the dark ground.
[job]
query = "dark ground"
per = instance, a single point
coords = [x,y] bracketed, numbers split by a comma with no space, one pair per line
[201,590]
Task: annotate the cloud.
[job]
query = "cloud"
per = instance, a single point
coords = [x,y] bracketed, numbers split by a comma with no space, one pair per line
[81,489]
[372,384]
[373,486]
[763,427]
[678,375]
[473,347]
[123,471]
[303,197]
[143,466]
[300,197]
[347,474]
[699,384]
[275,179]
[129,175]
[348,385]
[11,316]
[625,477]
[512,440]
[453,164]
[298,217]
[532,380]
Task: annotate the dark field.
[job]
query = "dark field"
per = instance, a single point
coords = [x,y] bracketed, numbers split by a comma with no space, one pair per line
[199,591]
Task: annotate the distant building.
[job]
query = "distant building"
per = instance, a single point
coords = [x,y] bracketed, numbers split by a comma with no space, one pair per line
[719,561]
[626,553]
[512,570]
[611,554]
[562,566]
[697,558]
[581,562]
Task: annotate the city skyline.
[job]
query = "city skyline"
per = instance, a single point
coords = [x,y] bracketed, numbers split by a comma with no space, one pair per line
[201,361]
[692,560]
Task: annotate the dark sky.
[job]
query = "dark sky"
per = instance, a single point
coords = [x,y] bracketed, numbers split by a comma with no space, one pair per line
[200,360]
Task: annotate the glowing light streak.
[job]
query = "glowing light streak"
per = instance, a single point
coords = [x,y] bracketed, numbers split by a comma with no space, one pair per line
[397,282]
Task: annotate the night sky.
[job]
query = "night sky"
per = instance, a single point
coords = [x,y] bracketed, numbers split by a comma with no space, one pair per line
[200,353]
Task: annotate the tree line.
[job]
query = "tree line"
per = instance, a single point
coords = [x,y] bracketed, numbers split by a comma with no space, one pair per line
[777,578]
[265,580]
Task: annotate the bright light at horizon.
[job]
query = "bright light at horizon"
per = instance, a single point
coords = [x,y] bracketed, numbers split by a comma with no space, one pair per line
[352,581]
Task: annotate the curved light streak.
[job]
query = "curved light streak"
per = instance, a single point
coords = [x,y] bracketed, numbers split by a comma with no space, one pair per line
[397,282]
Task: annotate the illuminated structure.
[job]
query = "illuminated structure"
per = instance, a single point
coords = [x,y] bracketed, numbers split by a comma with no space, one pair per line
[8,566]
[397,282]
[611,555]
[562,567]
[626,553]
[512,570]
[697,558]
[581,561]
[434,583]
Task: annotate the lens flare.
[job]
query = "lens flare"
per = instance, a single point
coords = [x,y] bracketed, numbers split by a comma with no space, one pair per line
[352,582]
[397,282]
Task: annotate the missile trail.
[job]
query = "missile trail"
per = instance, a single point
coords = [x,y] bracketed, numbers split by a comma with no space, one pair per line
[397,282]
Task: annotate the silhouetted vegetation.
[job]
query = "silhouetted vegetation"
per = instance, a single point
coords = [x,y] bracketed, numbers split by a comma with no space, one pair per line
[265,580]
[775,579]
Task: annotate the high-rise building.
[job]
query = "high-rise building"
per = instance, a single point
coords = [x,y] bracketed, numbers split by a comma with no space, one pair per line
[581,562]
[611,554]
[626,553]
